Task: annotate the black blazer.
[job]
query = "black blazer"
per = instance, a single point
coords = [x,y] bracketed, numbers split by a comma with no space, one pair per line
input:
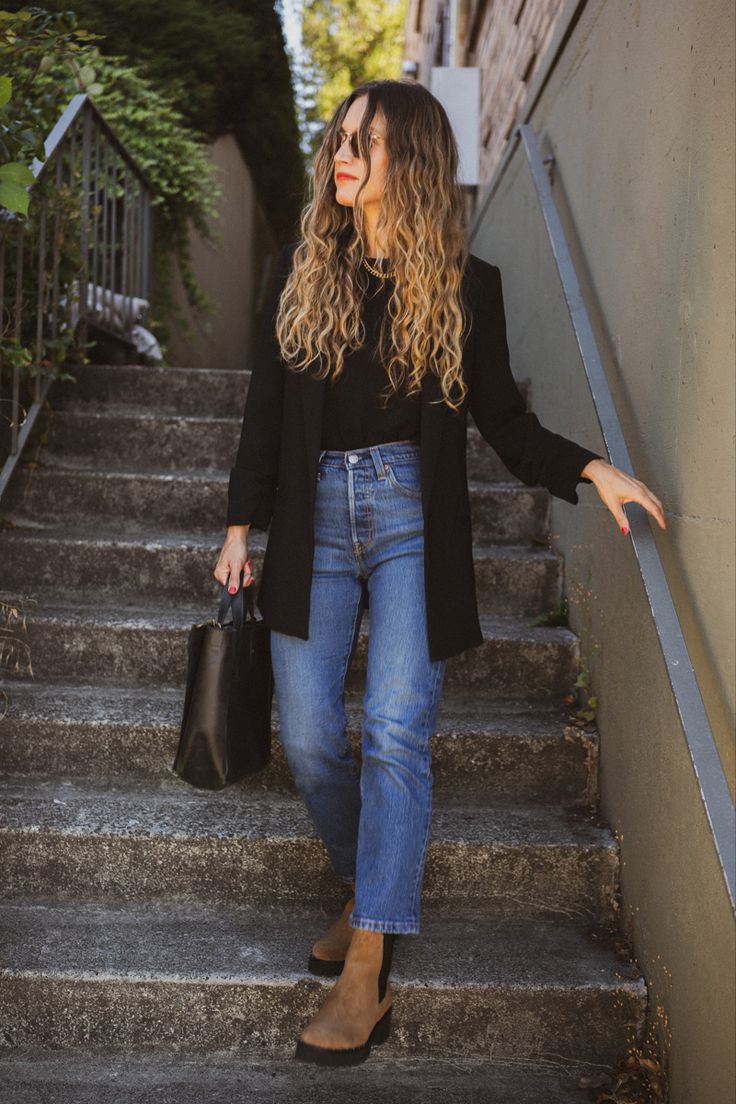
[273,481]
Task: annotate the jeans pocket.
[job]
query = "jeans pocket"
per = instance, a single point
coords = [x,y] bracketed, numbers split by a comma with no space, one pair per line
[405,476]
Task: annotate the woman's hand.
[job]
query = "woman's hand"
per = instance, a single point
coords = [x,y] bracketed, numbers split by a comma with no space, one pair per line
[616,487]
[233,558]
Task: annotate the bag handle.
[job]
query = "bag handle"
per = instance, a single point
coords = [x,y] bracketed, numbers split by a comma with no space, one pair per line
[234,603]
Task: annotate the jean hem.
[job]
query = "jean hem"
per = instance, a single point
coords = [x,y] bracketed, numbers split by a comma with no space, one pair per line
[396,927]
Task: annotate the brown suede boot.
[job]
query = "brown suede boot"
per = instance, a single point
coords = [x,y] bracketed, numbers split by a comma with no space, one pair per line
[357,1012]
[328,953]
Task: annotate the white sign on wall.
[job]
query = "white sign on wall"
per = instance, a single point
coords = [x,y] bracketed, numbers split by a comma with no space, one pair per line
[458,90]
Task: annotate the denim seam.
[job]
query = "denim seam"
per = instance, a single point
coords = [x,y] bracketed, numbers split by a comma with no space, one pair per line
[377,462]
[346,663]
[431,704]
[409,492]
[359,547]
[411,925]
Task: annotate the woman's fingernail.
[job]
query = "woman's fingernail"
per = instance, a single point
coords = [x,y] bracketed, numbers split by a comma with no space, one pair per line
[624,530]
[232,590]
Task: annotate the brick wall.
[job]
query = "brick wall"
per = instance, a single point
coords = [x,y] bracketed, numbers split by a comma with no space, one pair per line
[506,39]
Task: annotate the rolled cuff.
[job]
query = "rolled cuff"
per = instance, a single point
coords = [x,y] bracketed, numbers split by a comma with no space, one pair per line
[248,502]
[565,474]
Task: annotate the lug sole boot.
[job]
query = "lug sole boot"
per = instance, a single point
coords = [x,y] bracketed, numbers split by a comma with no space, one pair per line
[361,996]
[328,953]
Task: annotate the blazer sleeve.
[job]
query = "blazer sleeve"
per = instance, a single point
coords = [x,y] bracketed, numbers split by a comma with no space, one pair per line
[536,455]
[253,477]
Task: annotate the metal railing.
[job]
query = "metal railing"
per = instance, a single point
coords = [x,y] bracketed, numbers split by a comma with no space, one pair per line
[710,775]
[88,191]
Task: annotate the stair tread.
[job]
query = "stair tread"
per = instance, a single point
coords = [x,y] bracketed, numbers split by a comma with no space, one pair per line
[172,808]
[93,468]
[105,1076]
[461,945]
[118,531]
[164,369]
[114,411]
[174,612]
[72,703]
[121,531]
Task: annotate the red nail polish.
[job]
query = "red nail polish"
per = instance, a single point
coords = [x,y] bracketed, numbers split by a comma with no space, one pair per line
[232,590]
[624,531]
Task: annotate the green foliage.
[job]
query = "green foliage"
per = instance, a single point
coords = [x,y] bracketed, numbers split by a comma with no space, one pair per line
[173,158]
[556,616]
[559,617]
[587,702]
[51,60]
[348,42]
[28,41]
[225,69]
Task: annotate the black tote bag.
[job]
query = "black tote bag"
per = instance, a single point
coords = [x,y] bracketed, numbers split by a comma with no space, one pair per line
[226,722]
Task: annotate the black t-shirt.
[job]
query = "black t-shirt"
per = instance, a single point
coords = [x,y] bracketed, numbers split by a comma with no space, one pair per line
[355,413]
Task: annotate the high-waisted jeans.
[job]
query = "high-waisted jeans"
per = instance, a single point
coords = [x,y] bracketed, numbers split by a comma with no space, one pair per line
[374,819]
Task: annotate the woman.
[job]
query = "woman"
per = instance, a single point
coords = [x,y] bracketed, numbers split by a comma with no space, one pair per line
[380,334]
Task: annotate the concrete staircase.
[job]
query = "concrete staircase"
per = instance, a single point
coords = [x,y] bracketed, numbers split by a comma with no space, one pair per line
[154,938]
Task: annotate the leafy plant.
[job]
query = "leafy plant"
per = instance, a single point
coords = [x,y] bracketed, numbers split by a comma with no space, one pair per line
[225,69]
[32,38]
[15,176]
[558,615]
[587,710]
[48,60]
[587,703]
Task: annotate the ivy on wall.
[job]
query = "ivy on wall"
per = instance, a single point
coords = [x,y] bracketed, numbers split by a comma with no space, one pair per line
[46,60]
[223,66]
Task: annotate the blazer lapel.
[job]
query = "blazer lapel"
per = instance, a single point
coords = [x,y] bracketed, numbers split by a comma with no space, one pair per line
[313,391]
[432,413]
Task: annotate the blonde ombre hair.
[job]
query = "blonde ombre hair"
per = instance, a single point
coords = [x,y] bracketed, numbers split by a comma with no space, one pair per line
[421,216]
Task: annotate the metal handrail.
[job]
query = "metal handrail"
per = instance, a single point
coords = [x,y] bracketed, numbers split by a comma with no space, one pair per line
[706,762]
[115,238]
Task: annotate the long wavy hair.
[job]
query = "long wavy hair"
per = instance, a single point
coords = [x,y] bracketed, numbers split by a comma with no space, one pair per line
[421,216]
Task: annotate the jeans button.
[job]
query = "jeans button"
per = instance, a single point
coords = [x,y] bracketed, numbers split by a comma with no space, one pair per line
[352,458]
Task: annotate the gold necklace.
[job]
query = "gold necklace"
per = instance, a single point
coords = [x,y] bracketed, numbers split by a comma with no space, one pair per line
[377,272]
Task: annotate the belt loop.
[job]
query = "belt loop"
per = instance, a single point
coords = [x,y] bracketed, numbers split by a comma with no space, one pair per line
[377,461]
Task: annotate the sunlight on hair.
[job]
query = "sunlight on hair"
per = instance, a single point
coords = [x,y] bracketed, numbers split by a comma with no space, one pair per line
[421,215]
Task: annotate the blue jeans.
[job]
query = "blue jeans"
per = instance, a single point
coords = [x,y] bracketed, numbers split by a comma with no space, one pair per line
[374,819]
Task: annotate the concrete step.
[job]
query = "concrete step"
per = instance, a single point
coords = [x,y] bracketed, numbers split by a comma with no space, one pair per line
[164,389]
[197,501]
[128,642]
[139,912]
[78,1075]
[124,558]
[500,752]
[125,438]
[160,389]
[193,979]
[83,840]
